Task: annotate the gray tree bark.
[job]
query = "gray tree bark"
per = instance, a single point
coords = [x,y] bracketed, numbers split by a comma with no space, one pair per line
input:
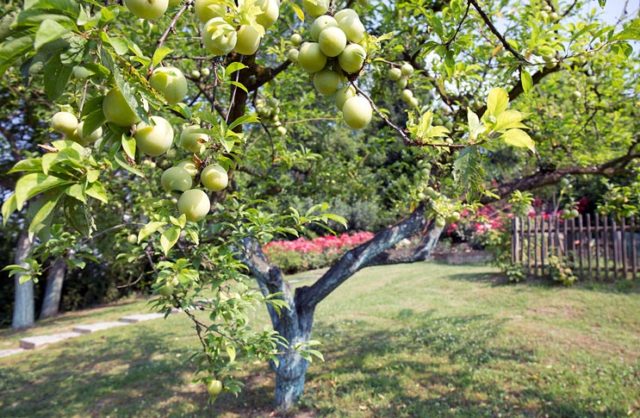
[53,291]
[23,309]
[296,322]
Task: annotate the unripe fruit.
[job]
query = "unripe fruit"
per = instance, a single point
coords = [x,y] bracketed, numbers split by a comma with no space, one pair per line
[156,139]
[214,388]
[86,139]
[117,110]
[350,23]
[440,222]
[352,58]
[326,82]
[332,41]
[406,69]
[170,82]
[344,94]
[206,72]
[357,112]
[176,178]
[195,74]
[407,95]
[292,55]
[132,239]
[194,204]
[189,166]
[282,130]
[311,58]
[296,39]
[193,139]
[395,74]
[219,37]
[214,178]
[320,24]
[413,102]
[402,83]
[316,8]
[208,9]
[147,9]
[248,40]
[270,12]
[174,3]
[64,123]
[166,290]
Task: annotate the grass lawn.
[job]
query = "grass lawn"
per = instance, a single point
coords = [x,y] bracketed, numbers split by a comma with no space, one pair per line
[419,340]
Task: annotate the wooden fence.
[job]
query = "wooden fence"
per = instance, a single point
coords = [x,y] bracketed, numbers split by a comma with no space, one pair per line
[595,247]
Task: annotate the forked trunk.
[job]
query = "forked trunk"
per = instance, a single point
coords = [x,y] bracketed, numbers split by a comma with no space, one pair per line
[292,368]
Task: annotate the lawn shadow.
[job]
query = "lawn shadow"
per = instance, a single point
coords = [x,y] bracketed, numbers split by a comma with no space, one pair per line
[430,368]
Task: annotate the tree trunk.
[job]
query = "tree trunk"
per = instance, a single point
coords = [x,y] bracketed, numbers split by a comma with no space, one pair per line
[23,309]
[292,368]
[53,292]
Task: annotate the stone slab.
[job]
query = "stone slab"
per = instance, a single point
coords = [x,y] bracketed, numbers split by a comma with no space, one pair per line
[132,319]
[98,326]
[36,342]
[10,352]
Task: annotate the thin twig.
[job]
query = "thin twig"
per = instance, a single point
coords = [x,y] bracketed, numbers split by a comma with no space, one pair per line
[170,29]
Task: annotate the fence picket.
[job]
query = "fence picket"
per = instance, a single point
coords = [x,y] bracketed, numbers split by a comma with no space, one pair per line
[597,235]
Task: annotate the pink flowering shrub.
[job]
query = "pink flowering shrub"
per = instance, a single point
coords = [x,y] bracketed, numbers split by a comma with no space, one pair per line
[305,254]
[475,227]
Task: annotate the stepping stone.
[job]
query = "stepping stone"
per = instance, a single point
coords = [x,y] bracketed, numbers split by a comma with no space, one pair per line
[98,326]
[132,319]
[37,342]
[10,352]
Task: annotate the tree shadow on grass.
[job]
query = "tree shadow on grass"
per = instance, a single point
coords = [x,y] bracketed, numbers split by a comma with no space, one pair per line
[437,366]
[426,366]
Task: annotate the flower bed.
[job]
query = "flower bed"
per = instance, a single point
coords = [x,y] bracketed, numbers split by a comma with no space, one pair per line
[307,254]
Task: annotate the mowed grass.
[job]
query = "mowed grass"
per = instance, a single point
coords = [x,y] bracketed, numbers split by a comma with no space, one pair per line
[421,340]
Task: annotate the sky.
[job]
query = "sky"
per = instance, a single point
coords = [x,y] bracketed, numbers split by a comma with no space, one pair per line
[613,9]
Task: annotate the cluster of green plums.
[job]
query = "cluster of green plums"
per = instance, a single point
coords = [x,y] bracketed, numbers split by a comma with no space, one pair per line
[66,123]
[333,55]
[400,74]
[269,110]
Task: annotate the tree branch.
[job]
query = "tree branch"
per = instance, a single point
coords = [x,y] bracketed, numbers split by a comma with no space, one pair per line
[360,257]
[497,33]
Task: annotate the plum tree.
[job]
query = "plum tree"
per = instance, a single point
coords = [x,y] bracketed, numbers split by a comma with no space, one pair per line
[194,204]
[214,178]
[117,109]
[176,178]
[104,66]
[357,112]
[147,9]
[156,138]
[170,82]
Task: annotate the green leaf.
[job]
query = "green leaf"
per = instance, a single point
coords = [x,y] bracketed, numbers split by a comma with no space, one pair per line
[298,11]
[28,165]
[49,30]
[234,66]
[231,352]
[8,207]
[149,229]
[159,54]
[519,138]
[509,119]
[169,238]
[239,85]
[129,146]
[247,118]
[77,192]
[43,213]
[497,101]
[57,77]
[32,184]
[127,167]
[476,128]
[631,31]
[97,191]
[526,80]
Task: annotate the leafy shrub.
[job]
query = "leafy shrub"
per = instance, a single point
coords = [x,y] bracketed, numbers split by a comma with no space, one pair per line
[307,254]
[560,272]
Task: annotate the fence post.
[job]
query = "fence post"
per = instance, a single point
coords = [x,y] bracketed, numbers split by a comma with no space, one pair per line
[623,244]
[605,233]
[634,267]
[589,246]
[616,255]
[596,236]
[580,245]
[528,245]
[514,240]
[535,245]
